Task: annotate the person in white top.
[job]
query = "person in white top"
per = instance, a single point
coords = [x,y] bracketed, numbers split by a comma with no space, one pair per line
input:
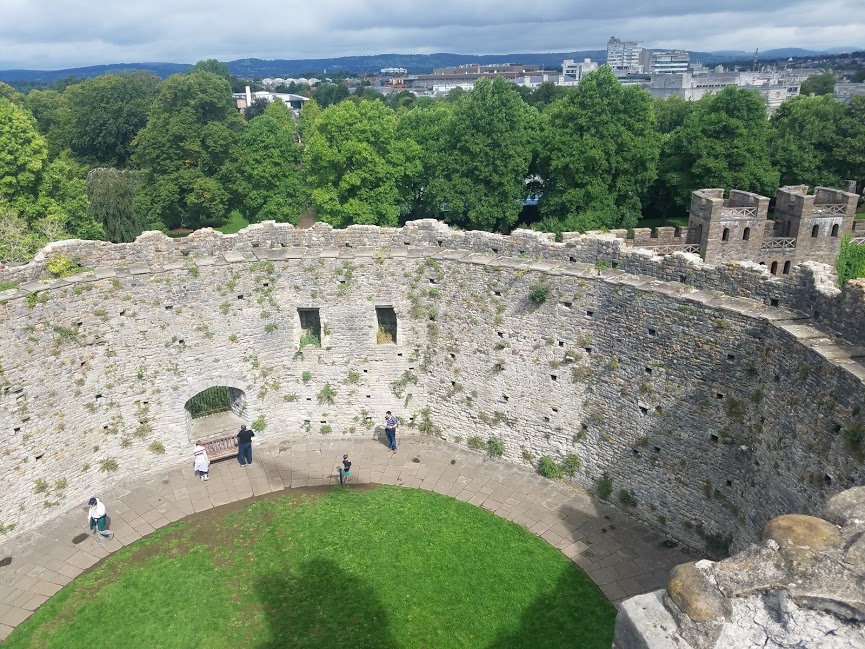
[202,463]
[97,516]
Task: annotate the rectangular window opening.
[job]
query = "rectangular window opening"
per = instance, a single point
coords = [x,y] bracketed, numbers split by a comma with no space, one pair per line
[310,327]
[387,326]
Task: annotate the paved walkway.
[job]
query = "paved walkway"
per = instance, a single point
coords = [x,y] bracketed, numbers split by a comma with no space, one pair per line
[622,556]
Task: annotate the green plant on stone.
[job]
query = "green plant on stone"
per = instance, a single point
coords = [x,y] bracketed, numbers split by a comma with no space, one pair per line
[62,266]
[309,338]
[425,423]
[270,327]
[108,465]
[40,486]
[604,486]
[527,455]
[157,448]
[476,442]
[291,397]
[495,447]
[549,468]
[306,377]
[327,395]
[854,438]
[539,293]
[399,386]
[193,271]
[61,484]
[325,429]
[627,498]
[259,424]
[571,465]
[353,377]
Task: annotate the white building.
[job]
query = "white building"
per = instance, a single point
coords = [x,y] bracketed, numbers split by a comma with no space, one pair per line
[242,100]
[573,71]
[774,87]
[664,61]
[398,72]
[624,55]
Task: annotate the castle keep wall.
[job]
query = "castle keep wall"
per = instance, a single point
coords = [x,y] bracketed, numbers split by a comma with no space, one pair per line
[713,412]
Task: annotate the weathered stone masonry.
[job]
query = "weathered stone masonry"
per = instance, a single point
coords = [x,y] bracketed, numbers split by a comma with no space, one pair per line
[714,412]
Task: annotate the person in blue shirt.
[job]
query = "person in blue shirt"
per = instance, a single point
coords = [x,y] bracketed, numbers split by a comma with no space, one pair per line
[390,424]
[346,467]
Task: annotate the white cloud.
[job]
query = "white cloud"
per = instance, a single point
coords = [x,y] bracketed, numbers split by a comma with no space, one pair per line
[64,33]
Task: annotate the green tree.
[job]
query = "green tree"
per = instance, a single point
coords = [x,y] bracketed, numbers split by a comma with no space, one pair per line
[62,193]
[269,175]
[106,113]
[803,141]
[191,134]
[545,94]
[366,93]
[490,141]
[256,108]
[671,112]
[818,84]
[9,93]
[330,94]
[849,153]
[309,114]
[426,124]
[18,242]
[22,152]
[112,195]
[357,166]
[213,66]
[722,143]
[851,261]
[401,99]
[599,154]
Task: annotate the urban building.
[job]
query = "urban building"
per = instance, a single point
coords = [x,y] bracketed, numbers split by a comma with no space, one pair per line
[774,87]
[846,91]
[443,80]
[394,71]
[664,61]
[573,71]
[242,100]
[624,55]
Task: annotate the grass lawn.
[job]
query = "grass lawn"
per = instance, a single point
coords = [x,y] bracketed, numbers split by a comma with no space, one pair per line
[235,224]
[379,568]
[673,222]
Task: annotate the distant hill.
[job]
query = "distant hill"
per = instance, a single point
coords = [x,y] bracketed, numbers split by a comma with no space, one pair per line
[414,63]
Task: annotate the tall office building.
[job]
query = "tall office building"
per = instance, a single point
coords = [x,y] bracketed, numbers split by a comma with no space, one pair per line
[624,55]
[661,61]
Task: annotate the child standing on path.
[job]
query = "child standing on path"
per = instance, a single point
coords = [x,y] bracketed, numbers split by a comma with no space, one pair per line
[202,463]
[346,467]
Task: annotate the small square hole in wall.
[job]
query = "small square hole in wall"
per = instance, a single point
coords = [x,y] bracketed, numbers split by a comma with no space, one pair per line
[365,371]
[39,457]
[836,427]
[827,480]
[567,305]
[309,398]
[777,378]
[561,343]
[729,483]
[588,350]
[500,334]
[98,396]
[652,332]
[635,451]
[713,438]
[17,429]
[555,409]
[239,297]
[506,397]
[266,284]
[78,324]
[256,244]
[656,449]
[547,419]
[648,370]
[644,410]
[495,250]
[307,422]
[440,242]
[347,244]
[169,307]
[123,312]
[369,396]
[590,314]
[554,377]
[432,280]
[773,301]
[399,354]
[718,395]
[615,264]
[572,259]
[497,293]
[682,279]
[180,341]
[731,357]
[453,356]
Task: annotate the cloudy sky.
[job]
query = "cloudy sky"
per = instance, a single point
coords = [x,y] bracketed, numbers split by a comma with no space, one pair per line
[53,34]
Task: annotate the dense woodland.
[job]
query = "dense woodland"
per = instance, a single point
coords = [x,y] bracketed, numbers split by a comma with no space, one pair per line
[109,157]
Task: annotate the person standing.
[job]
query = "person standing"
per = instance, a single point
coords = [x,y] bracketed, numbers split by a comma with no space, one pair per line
[390,424]
[202,463]
[244,445]
[346,468]
[97,516]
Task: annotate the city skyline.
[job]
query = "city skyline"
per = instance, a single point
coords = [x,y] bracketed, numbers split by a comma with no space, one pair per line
[50,34]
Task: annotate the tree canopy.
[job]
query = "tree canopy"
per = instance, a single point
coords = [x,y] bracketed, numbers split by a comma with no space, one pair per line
[22,152]
[112,194]
[191,134]
[598,155]
[818,84]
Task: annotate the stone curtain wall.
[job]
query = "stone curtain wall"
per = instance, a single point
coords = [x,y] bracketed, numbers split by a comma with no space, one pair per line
[715,413]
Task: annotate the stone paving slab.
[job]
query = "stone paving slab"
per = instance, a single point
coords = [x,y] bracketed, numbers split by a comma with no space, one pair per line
[623,557]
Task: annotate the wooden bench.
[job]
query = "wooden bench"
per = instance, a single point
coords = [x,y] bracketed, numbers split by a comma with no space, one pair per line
[219,448]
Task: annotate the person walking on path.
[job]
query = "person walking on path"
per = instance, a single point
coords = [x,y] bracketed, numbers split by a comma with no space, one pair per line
[97,516]
[390,424]
[202,463]
[244,445]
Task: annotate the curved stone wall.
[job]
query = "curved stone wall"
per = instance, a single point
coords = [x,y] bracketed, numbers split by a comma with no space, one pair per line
[714,413]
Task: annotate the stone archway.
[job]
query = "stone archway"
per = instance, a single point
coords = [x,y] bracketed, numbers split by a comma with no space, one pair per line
[215,411]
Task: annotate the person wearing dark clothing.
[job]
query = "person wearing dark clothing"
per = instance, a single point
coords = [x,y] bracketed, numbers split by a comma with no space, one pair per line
[346,467]
[390,424]
[244,445]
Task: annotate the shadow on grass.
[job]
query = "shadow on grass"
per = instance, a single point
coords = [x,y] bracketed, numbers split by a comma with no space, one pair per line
[574,614]
[322,606]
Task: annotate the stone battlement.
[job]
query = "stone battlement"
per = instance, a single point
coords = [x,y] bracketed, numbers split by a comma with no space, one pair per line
[810,287]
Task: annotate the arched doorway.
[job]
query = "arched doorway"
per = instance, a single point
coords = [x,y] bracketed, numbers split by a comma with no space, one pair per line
[215,411]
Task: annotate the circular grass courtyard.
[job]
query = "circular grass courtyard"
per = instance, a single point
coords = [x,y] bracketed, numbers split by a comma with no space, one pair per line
[377,568]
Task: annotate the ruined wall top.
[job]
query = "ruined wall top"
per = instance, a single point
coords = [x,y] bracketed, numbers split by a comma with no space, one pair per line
[795,200]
